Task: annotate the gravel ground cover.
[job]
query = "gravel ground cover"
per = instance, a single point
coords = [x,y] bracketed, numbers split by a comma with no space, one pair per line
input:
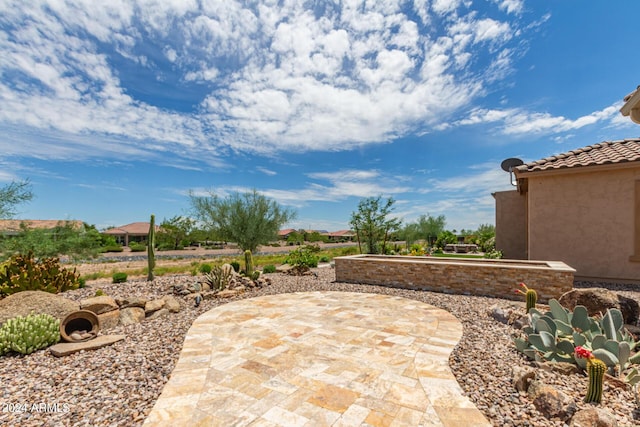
[118,385]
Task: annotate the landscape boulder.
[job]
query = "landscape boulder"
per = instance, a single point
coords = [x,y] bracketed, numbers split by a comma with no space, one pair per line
[127,302]
[23,303]
[131,315]
[109,320]
[99,305]
[593,417]
[228,269]
[153,306]
[171,304]
[553,403]
[599,300]
[158,314]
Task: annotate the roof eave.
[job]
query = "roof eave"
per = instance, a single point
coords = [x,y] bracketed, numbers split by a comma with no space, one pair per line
[631,107]
[524,174]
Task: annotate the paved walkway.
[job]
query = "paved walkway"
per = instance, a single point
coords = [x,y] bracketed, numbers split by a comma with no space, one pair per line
[317,359]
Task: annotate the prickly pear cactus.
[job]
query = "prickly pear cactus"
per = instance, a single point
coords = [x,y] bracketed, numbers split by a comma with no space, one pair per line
[28,334]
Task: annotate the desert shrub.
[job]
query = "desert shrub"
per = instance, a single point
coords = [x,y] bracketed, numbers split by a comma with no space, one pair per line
[137,247]
[269,269]
[99,293]
[205,268]
[235,265]
[119,277]
[167,246]
[416,250]
[302,257]
[255,275]
[28,334]
[493,254]
[488,245]
[349,250]
[113,248]
[25,273]
[324,258]
[313,248]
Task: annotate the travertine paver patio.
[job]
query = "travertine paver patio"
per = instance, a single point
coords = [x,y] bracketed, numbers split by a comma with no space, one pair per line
[317,359]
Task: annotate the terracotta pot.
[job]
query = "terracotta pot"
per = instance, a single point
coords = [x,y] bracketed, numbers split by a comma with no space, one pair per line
[81,320]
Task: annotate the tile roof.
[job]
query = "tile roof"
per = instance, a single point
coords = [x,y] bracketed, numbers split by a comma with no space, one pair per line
[608,152]
[286,232]
[140,228]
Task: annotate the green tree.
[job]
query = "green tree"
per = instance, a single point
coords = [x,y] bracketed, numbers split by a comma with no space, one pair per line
[175,233]
[66,238]
[373,223]
[248,219]
[13,194]
[315,236]
[409,233]
[429,227]
[446,237]
[295,238]
[486,237]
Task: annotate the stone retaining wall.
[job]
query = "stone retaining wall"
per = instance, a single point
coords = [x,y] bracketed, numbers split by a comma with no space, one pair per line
[487,277]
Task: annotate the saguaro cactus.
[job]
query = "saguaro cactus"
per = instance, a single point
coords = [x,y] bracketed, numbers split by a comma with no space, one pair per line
[248,263]
[596,369]
[151,252]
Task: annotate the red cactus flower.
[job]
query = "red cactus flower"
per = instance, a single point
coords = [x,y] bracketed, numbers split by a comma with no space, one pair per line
[583,353]
[520,291]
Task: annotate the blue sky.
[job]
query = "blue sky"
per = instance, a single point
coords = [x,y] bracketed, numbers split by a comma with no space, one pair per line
[116,110]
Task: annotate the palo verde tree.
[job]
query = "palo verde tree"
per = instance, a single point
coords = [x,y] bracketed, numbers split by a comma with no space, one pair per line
[373,223]
[426,228]
[12,195]
[429,227]
[248,219]
[175,233]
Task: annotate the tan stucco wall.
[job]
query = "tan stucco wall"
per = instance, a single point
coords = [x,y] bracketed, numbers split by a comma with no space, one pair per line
[511,224]
[587,220]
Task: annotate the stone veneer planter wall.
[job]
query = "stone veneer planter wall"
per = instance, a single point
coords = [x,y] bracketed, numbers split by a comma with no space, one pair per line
[487,277]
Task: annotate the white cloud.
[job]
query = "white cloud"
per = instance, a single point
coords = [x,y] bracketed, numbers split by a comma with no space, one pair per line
[520,122]
[273,76]
[511,6]
[266,171]
[324,187]
[488,179]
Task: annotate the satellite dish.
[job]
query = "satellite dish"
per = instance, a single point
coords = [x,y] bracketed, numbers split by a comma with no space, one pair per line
[507,165]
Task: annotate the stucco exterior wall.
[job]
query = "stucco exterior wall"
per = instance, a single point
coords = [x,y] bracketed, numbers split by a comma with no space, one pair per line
[511,224]
[585,219]
[488,277]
